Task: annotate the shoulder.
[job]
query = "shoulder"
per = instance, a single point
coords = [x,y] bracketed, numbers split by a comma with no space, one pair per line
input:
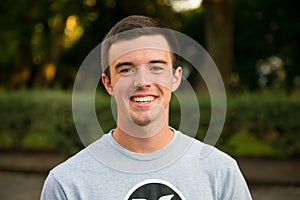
[61,178]
[222,169]
[214,167]
[209,157]
[202,151]
[73,166]
[73,175]
[213,155]
[81,164]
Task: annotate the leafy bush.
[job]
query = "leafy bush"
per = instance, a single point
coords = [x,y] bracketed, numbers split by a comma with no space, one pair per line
[257,124]
[37,120]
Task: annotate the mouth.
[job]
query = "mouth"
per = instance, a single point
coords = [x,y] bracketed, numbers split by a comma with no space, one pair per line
[143,99]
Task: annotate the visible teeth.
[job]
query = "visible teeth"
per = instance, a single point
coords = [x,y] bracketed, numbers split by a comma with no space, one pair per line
[143,99]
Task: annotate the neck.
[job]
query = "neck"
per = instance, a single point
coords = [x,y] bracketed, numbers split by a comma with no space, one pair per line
[144,145]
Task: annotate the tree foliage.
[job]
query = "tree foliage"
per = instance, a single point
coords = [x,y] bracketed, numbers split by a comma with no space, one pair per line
[44,42]
[263,29]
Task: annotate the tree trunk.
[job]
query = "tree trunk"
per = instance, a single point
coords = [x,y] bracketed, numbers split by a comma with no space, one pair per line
[218,27]
[47,72]
[21,67]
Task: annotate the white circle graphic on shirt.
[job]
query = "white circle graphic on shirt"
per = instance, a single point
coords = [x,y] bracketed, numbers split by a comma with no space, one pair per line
[154,189]
[89,74]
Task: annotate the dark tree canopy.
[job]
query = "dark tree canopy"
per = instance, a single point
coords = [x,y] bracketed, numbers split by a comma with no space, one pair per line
[44,42]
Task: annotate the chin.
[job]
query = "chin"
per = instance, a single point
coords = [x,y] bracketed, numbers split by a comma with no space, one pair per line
[140,122]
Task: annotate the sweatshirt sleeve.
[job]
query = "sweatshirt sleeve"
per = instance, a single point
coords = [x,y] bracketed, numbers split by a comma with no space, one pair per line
[52,189]
[241,187]
[235,186]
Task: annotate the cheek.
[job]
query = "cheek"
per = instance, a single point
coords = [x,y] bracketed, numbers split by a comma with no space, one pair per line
[121,86]
[167,93]
[163,81]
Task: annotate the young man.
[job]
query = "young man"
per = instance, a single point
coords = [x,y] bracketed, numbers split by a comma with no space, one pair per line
[144,158]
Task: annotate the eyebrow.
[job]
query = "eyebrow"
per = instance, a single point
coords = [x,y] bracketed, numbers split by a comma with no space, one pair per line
[158,61]
[124,64]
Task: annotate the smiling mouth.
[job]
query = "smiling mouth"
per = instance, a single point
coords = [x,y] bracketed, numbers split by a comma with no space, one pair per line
[146,99]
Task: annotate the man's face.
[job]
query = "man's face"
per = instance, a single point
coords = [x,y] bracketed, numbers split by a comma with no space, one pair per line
[142,79]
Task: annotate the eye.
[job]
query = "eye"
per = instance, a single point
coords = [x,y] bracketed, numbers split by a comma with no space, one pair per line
[156,69]
[126,70]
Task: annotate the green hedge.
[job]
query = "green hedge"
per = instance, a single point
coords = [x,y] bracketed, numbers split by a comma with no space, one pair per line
[263,124]
[257,124]
[37,120]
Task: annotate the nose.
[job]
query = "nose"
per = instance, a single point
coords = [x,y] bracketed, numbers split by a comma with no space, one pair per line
[141,79]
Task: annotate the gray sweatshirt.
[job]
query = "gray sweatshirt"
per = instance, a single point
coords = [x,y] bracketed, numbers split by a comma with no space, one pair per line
[185,169]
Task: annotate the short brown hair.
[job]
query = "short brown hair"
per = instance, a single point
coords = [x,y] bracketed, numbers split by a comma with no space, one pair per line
[144,26]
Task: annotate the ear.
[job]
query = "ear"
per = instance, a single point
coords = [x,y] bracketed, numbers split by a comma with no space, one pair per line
[107,84]
[176,78]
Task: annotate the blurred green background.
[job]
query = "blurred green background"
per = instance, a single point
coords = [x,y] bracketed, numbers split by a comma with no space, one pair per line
[255,44]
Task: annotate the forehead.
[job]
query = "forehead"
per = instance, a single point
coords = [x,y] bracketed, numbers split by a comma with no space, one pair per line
[147,46]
